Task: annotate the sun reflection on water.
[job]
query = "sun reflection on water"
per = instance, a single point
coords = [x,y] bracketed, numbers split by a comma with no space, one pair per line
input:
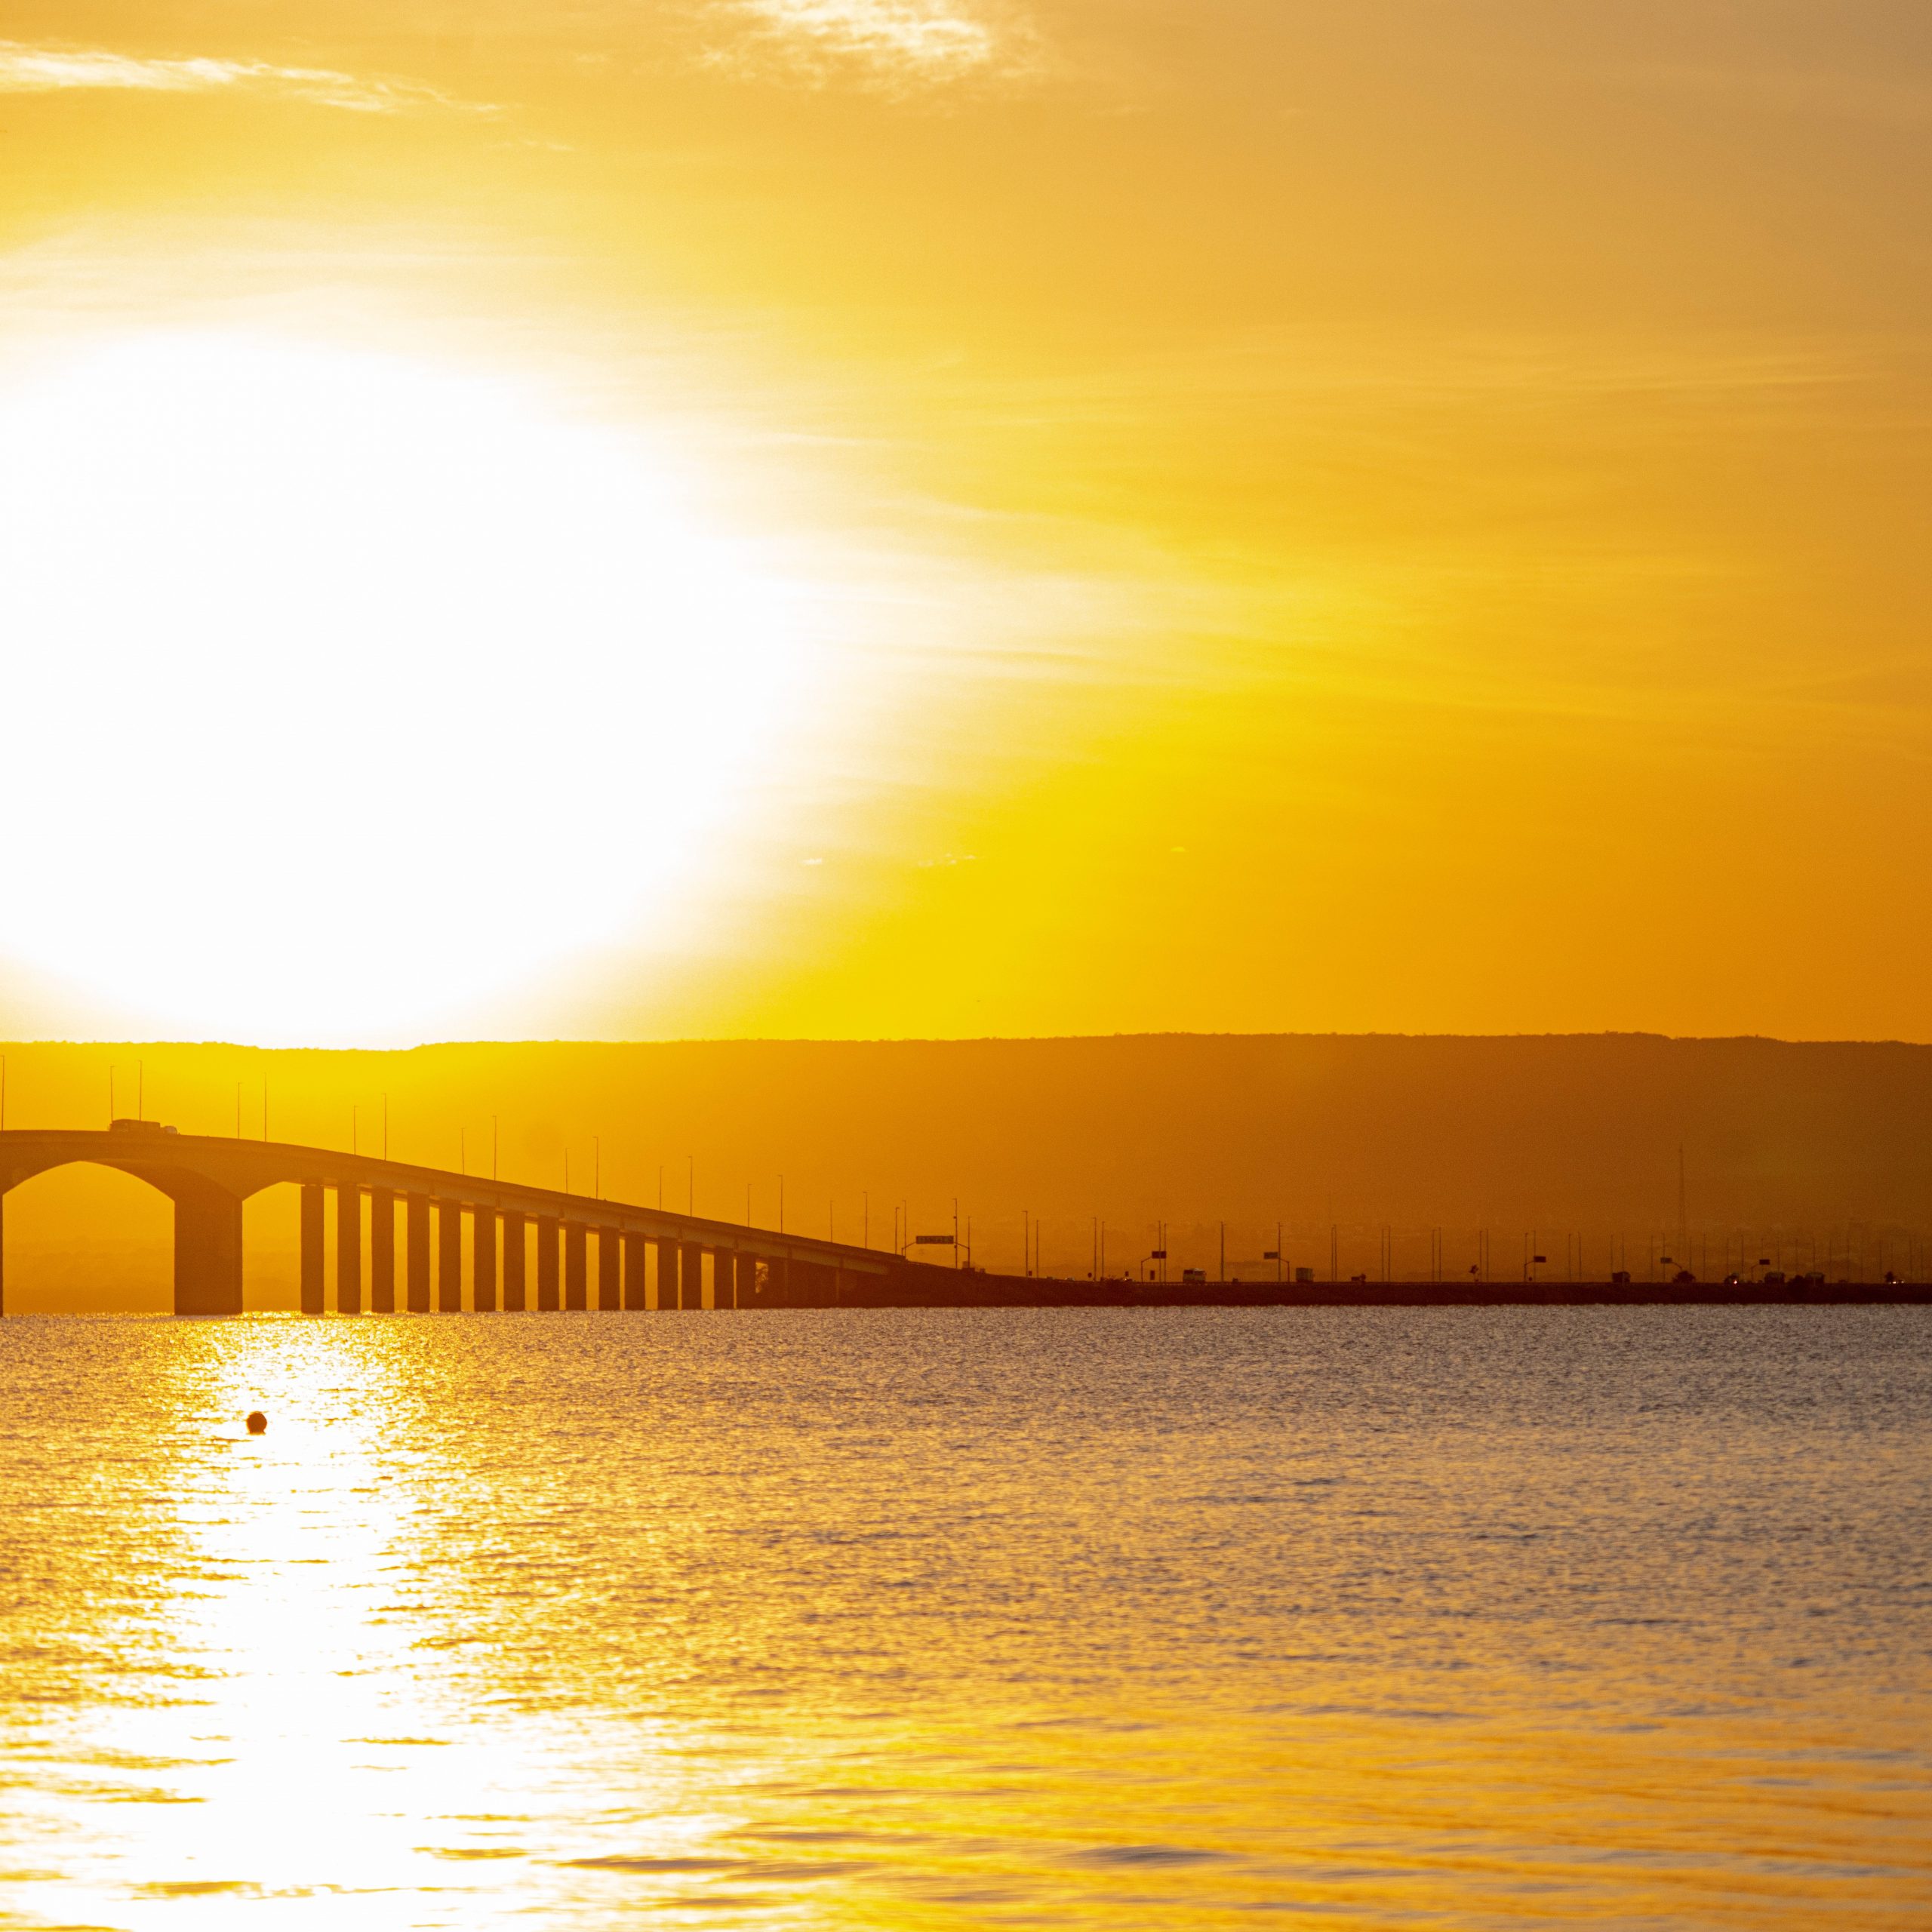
[301,1739]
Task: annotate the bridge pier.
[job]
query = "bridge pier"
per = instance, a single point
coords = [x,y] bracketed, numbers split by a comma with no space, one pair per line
[314,1301]
[610,1278]
[821,1284]
[637,1278]
[483,1260]
[382,1250]
[417,1220]
[515,1262]
[548,1229]
[577,1276]
[667,1272]
[723,1278]
[348,1250]
[207,1252]
[449,1257]
[690,1276]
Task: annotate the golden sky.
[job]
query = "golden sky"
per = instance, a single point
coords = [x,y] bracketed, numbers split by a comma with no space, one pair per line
[891,517]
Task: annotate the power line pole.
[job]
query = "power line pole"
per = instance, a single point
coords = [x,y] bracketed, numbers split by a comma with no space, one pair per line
[1683,1220]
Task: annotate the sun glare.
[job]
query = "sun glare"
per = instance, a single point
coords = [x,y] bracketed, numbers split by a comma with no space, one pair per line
[358,688]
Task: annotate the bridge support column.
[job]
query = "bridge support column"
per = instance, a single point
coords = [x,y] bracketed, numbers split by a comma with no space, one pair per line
[691,1271]
[577,1273]
[483,1260]
[515,1264]
[348,1250]
[416,1219]
[449,1257]
[777,1282]
[207,1253]
[610,1268]
[667,1273]
[637,1276]
[547,1232]
[723,1278]
[313,1295]
[382,1250]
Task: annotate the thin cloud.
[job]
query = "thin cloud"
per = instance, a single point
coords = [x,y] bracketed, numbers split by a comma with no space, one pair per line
[899,42]
[25,70]
[1894,100]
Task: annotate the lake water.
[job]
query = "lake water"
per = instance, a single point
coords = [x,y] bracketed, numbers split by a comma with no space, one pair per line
[940,1619]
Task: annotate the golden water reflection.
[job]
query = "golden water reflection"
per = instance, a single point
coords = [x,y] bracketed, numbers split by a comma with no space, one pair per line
[907,1621]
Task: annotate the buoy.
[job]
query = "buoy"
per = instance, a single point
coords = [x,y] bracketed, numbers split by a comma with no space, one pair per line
[257,1421]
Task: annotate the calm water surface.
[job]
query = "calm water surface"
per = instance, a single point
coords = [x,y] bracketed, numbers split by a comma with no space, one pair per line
[952,1620]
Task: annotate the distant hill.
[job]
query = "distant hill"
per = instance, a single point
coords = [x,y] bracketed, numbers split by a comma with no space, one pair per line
[1783,1144]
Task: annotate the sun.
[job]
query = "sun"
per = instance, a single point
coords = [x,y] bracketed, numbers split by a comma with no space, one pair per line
[342,688]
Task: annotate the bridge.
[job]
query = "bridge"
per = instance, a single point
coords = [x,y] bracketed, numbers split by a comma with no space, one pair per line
[645,1258]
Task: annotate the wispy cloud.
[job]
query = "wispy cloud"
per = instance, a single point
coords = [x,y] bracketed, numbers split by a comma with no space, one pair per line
[899,42]
[1901,99]
[26,69]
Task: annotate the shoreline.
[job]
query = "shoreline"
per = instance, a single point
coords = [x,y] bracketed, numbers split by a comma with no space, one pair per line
[962,1290]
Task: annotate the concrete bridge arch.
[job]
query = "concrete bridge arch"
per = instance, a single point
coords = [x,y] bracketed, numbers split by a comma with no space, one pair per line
[207,1214]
